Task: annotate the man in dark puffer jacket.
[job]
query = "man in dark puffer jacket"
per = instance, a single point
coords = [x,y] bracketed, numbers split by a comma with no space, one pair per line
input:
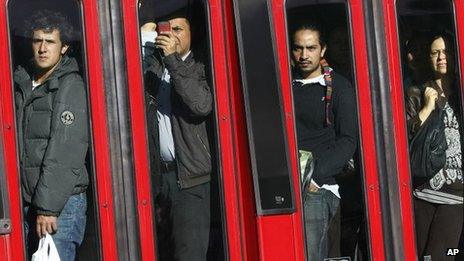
[51,108]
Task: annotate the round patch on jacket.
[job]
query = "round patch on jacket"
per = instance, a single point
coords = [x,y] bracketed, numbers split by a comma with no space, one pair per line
[67,118]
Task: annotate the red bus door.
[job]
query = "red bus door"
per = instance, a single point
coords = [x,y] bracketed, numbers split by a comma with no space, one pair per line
[99,241]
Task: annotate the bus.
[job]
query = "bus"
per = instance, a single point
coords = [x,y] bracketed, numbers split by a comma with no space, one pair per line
[257,210]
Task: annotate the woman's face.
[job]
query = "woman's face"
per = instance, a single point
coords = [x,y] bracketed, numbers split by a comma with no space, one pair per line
[438,57]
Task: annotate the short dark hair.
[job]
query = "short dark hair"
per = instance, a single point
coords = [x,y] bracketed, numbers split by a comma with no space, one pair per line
[313,26]
[48,21]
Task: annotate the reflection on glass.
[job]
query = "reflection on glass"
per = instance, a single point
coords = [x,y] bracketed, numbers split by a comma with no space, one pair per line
[4,204]
[433,111]
[327,130]
[179,108]
[52,123]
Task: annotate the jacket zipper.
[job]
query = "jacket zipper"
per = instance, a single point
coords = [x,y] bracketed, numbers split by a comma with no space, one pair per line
[204,146]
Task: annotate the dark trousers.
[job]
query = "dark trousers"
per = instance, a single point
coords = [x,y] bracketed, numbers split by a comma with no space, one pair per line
[183,220]
[438,227]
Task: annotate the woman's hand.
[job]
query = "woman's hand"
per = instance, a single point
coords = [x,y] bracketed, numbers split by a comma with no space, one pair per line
[430,99]
[431,96]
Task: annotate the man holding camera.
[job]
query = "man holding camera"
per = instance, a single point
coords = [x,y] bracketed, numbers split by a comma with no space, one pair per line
[179,104]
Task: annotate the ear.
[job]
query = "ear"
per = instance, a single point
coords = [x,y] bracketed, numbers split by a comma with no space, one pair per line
[324,48]
[64,48]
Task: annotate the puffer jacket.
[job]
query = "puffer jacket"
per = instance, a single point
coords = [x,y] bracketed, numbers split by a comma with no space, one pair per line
[192,104]
[53,136]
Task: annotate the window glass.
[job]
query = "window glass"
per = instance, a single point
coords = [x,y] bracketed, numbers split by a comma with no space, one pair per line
[273,188]
[434,123]
[182,133]
[54,134]
[5,223]
[324,94]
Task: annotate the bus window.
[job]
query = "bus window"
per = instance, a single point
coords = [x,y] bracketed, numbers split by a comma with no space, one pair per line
[324,100]
[434,123]
[180,114]
[5,223]
[54,131]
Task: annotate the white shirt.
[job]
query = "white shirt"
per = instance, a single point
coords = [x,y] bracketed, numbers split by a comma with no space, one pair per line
[163,112]
[318,79]
[35,84]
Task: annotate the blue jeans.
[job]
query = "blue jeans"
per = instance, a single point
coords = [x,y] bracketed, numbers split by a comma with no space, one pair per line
[71,227]
[322,224]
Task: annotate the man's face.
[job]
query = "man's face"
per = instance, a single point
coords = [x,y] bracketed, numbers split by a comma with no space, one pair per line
[307,53]
[180,28]
[48,49]
[438,55]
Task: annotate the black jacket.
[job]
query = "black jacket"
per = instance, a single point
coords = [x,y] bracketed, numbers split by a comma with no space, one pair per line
[427,149]
[53,136]
[153,140]
[332,146]
[415,102]
[192,104]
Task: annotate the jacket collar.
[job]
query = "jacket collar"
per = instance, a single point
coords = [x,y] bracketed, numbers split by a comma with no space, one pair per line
[188,58]
[23,75]
[66,66]
[187,55]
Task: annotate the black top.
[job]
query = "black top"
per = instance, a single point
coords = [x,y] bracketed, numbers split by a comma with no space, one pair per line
[332,146]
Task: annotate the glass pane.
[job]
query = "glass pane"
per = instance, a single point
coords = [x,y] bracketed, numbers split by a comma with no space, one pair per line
[5,222]
[324,96]
[434,119]
[182,129]
[53,126]
[272,179]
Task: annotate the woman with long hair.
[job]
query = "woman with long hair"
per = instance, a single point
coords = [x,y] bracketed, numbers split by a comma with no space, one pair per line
[438,194]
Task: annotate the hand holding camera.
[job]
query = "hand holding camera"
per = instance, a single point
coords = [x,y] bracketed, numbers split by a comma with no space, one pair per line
[165,40]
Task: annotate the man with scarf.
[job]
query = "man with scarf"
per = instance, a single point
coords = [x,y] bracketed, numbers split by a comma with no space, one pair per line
[326,123]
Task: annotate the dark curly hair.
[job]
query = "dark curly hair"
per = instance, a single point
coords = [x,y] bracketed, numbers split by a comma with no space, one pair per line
[48,20]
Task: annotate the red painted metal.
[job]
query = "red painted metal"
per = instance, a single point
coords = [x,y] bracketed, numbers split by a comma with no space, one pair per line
[244,182]
[139,138]
[401,142]
[272,229]
[224,118]
[367,136]
[100,131]
[459,12]
[13,243]
[365,116]
[222,91]
[11,246]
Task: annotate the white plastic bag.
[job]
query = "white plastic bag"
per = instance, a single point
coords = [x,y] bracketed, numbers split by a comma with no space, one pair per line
[47,250]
